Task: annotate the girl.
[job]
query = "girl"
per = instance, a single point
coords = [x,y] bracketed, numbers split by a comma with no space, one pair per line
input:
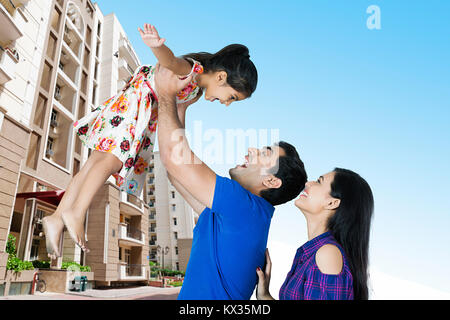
[121,132]
[333,264]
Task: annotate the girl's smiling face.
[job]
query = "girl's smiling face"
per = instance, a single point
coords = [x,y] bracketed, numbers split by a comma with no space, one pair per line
[216,88]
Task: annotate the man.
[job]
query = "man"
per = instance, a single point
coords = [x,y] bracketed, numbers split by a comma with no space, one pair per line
[230,237]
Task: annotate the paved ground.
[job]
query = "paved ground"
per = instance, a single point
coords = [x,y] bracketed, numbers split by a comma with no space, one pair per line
[135,293]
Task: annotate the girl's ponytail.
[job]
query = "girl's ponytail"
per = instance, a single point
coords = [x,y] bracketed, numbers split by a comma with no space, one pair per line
[235,61]
[235,49]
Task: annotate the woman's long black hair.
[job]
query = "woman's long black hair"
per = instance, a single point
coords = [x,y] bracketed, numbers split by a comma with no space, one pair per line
[350,225]
[235,61]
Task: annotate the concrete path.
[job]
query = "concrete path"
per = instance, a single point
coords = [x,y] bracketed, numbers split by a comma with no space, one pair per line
[135,293]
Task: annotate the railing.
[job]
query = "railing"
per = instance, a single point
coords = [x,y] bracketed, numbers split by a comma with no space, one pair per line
[128,232]
[134,233]
[127,271]
[133,270]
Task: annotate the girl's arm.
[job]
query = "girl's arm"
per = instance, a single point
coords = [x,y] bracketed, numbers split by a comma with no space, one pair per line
[164,55]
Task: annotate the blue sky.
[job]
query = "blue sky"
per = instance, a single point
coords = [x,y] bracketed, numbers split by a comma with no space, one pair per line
[373,101]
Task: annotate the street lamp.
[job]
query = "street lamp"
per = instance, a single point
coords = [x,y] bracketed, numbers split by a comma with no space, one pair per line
[164,251]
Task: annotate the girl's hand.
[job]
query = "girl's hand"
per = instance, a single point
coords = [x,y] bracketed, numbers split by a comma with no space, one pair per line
[262,291]
[151,37]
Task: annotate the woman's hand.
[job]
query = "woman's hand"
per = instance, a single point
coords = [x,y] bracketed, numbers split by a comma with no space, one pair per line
[151,37]
[262,291]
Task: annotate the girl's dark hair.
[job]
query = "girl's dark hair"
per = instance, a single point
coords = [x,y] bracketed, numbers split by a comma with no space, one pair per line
[235,61]
[350,225]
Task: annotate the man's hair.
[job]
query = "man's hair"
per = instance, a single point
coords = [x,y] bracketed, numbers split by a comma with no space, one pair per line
[291,171]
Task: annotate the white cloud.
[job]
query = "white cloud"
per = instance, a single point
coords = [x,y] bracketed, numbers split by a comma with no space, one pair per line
[387,287]
[382,286]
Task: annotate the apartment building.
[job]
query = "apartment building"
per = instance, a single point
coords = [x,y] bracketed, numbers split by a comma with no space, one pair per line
[171,220]
[72,59]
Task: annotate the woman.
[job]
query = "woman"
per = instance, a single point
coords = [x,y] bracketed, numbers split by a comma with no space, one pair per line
[333,264]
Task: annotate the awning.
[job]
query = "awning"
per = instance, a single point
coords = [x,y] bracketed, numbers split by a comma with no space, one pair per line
[52,197]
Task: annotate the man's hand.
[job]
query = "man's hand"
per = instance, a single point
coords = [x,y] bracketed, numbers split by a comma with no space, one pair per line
[167,83]
[182,107]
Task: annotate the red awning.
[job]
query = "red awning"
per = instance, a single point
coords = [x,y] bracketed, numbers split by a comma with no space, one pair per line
[52,197]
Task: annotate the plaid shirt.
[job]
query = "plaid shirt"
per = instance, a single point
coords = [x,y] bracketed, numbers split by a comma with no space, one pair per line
[306,282]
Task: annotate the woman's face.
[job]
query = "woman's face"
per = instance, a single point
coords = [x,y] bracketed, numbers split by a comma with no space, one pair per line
[217,88]
[316,198]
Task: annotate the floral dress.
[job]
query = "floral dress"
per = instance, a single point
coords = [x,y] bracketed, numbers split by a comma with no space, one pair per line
[125,125]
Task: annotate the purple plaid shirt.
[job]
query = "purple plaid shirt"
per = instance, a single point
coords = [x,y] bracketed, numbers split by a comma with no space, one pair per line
[306,282]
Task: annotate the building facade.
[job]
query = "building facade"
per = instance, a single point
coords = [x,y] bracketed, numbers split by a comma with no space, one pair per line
[59,60]
[171,220]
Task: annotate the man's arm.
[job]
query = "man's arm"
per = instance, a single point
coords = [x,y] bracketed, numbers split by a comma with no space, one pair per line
[194,203]
[180,162]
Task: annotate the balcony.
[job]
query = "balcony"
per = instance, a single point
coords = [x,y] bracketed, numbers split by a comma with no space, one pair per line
[7,65]
[59,138]
[130,236]
[125,70]
[131,271]
[121,84]
[10,30]
[128,53]
[18,3]
[131,205]
[65,93]
[72,39]
[69,64]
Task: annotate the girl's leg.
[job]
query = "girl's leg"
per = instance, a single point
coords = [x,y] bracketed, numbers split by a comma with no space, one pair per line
[54,225]
[74,217]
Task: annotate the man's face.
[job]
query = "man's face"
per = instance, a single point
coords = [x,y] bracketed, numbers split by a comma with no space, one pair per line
[259,164]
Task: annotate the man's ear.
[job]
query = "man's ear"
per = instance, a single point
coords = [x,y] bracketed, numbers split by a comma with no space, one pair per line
[272,182]
[333,204]
[221,77]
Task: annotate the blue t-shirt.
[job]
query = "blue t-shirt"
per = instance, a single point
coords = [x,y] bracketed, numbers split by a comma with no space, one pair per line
[229,243]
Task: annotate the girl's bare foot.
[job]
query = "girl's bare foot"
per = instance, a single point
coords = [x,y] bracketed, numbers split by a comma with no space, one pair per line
[75,225]
[53,229]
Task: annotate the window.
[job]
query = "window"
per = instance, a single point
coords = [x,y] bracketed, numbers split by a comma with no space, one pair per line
[176,235]
[54,118]
[174,207]
[173,194]
[176,250]
[174,221]
[34,255]
[49,153]
[127,255]
[177,264]
[57,93]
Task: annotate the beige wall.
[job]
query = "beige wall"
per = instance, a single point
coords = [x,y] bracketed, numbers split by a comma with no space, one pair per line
[13,144]
[28,117]
[165,227]
[103,235]
[184,251]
